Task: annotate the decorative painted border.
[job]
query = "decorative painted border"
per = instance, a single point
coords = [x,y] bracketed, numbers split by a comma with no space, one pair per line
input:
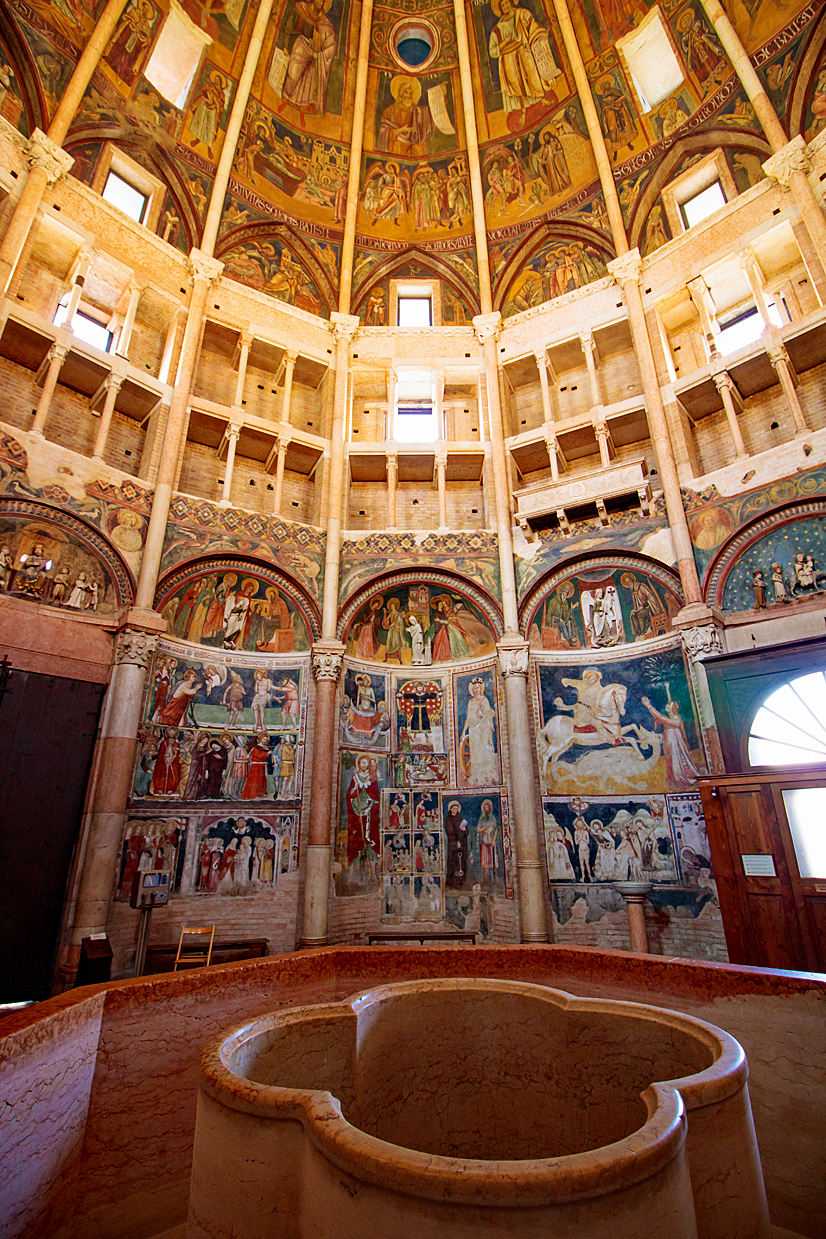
[661,573]
[726,559]
[423,576]
[197,569]
[94,541]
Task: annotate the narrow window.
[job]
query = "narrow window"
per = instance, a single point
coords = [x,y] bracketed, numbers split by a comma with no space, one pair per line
[86,328]
[703,204]
[415,311]
[123,195]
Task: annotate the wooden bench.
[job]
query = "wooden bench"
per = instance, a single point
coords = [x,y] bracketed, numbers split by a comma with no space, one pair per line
[421,937]
[162,958]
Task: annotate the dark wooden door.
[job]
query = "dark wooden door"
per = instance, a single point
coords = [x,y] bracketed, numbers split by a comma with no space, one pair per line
[47,734]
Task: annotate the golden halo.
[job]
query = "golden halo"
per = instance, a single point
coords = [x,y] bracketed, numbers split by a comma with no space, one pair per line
[686,20]
[398,81]
[392,167]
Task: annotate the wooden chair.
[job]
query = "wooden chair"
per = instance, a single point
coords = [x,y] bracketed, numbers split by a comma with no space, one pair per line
[196,954]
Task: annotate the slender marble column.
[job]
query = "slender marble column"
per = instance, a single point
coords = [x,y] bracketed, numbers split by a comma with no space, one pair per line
[514,662]
[135,291]
[113,383]
[47,161]
[205,271]
[56,356]
[169,343]
[542,367]
[231,434]
[441,486]
[748,263]
[244,345]
[725,386]
[626,271]
[789,166]
[348,241]
[698,291]
[779,359]
[290,358]
[553,453]
[635,895]
[283,443]
[392,483]
[603,435]
[79,279]
[326,662]
[589,348]
[110,785]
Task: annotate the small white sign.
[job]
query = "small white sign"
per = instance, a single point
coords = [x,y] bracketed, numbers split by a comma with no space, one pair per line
[758,866]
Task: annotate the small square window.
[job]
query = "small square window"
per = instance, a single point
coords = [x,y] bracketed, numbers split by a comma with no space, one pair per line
[415,312]
[698,208]
[123,195]
[86,328]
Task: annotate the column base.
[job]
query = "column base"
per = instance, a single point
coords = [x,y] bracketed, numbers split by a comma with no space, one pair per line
[98,460]
[308,943]
[37,434]
[224,503]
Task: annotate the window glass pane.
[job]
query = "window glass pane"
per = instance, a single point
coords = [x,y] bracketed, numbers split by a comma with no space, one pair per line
[654,67]
[416,425]
[93,333]
[745,331]
[704,204]
[789,729]
[176,56]
[121,194]
[414,312]
[806,811]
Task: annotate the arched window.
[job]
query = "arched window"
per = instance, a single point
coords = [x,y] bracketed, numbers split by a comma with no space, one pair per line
[789,729]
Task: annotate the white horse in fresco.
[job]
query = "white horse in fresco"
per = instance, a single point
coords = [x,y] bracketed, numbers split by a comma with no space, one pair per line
[596,723]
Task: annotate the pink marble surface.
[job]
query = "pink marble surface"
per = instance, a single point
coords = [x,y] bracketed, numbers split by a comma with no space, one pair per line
[153,1031]
[46,1071]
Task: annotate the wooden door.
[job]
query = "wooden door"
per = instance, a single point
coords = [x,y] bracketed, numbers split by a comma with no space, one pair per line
[47,734]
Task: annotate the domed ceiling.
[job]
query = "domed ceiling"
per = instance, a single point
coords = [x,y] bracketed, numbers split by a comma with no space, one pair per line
[546,218]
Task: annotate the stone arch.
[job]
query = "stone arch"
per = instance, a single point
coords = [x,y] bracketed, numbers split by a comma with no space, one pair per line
[279,616]
[810,66]
[524,265]
[557,615]
[16,48]
[253,254]
[432,266]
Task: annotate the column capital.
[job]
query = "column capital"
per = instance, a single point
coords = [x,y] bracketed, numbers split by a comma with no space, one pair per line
[392,459]
[601,429]
[702,641]
[284,442]
[724,381]
[43,153]
[135,647]
[326,658]
[233,430]
[747,259]
[203,267]
[114,380]
[246,338]
[793,157]
[441,458]
[551,441]
[57,352]
[487,326]
[777,353]
[344,326]
[627,267]
[290,356]
[513,658]
[697,287]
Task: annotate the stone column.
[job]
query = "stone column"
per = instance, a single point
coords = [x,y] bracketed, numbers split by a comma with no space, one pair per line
[356,144]
[81,270]
[290,358]
[56,356]
[110,787]
[441,486]
[784,370]
[113,383]
[603,435]
[344,327]
[439,387]
[231,435]
[514,662]
[635,895]
[135,291]
[205,271]
[702,641]
[169,344]
[392,483]
[589,348]
[244,345]
[326,662]
[390,428]
[698,291]
[553,454]
[789,165]
[474,165]
[542,367]
[283,443]
[748,263]
[732,401]
[47,161]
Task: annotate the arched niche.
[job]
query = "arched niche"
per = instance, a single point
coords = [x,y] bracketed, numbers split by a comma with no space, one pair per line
[460,296]
[419,619]
[601,602]
[276,261]
[237,604]
[55,559]
[773,563]
[560,262]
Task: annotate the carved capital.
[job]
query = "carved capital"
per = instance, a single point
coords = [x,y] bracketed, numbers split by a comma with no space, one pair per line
[43,153]
[724,382]
[284,442]
[702,641]
[232,431]
[57,352]
[487,326]
[697,288]
[290,356]
[778,355]
[135,647]
[441,459]
[326,659]
[513,659]
[115,381]
[601,430]
[627,267]
[344,326]
[793,157]
[203,267]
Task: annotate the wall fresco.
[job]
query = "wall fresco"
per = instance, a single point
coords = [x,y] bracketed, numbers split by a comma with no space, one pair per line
[688,824]
[362,779]
[418,625]
[557,267]
[477,729]
[365,718]
[152,843]
[620,725]
[234,607]
[473,556]
[242,855]
[608,839]
[782,566]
